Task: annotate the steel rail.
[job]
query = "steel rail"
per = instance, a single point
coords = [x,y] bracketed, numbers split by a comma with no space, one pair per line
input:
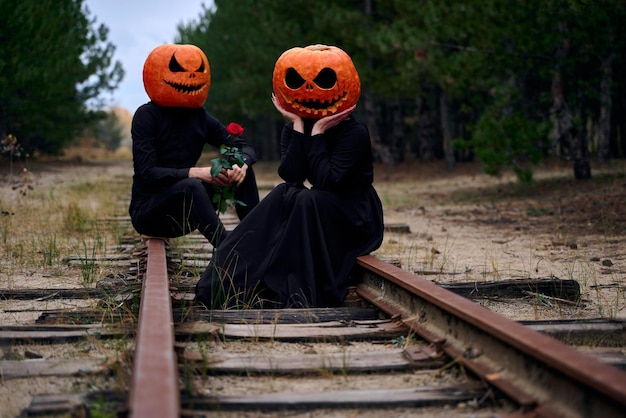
[155,391]
[544,376]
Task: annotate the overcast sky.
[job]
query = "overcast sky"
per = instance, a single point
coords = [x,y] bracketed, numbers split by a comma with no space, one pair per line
[135,28]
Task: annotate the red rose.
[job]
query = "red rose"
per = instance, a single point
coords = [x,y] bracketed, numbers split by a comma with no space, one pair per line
[234,129]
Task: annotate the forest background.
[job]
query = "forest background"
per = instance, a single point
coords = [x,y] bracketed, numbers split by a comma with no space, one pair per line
[508,83]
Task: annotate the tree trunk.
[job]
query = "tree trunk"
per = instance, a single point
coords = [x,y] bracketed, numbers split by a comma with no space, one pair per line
[3,124]
[618,124]
[561,116]
[445,131]
[380,151]
[425,134]
[560,113]
[582,168]
[604,139]
[397,143]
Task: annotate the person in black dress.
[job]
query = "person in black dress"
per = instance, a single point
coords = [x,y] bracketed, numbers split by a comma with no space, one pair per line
[171,196]
[299,245]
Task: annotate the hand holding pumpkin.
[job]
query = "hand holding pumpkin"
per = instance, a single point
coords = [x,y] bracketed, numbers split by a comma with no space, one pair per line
[328,122]
[298,125]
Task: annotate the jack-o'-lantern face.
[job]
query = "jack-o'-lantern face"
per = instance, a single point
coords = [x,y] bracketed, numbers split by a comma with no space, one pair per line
[177,76]
[316,81]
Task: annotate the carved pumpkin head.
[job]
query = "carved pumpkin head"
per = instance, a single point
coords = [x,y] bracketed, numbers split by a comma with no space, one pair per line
[316,81]
[177,76]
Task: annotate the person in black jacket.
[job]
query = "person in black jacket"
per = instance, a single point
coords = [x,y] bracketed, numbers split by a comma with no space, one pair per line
[171,195]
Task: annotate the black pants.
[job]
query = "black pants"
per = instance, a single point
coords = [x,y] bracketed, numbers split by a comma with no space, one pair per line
[187,205]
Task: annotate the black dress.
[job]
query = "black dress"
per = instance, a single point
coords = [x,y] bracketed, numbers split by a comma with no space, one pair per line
[299,245]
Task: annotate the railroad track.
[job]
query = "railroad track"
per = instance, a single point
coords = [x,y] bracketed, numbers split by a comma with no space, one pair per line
[400,346]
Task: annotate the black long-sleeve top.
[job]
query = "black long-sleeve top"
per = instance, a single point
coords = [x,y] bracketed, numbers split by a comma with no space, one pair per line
[338,160]
[168,141]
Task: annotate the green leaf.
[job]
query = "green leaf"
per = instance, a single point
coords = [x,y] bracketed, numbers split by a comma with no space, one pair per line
[225,195]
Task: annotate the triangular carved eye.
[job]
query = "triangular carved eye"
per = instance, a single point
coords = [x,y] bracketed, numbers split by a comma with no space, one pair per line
[175,67]
[293,80]
[326,79]
[201,68]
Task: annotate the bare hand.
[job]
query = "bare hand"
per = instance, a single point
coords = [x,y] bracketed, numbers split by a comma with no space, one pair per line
[237,174]
[298,125]
[328,122]
[204,174]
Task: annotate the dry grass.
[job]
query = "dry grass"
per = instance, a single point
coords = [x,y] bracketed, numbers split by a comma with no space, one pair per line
[50,211]
[465,222]
[465,226]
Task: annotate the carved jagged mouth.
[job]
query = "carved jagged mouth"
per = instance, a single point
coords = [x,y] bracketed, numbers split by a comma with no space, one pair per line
[186,88]
[316,107]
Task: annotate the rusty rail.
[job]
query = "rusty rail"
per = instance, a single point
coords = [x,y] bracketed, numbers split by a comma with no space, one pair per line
[544,376]
[154,391]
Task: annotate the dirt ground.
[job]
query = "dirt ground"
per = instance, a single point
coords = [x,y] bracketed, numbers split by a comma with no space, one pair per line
[467,226]
[463,226]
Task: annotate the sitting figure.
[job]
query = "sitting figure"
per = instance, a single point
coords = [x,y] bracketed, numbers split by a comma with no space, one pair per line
[299,245]
[172,197]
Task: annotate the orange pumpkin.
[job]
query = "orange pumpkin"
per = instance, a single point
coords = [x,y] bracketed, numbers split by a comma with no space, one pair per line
[316,81]
[177,75]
